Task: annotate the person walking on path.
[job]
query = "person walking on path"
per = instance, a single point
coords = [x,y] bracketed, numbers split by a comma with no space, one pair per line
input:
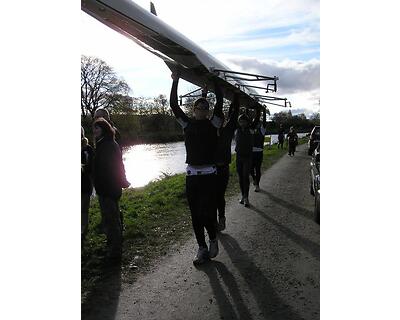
[200,143]
[223,159]
[281,136]
[258,151]
[109,178]
[244,138]
[292,140]
[87,154]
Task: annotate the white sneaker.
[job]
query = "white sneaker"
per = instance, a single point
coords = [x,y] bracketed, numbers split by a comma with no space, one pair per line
[213,248]
[201,256]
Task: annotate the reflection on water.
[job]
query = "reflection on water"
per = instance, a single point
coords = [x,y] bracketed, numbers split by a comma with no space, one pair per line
[147,162]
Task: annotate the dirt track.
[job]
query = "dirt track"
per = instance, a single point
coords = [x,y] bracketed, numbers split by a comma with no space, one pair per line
[268,266]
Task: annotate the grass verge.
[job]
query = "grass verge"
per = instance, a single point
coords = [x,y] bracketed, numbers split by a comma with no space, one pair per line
[156,218]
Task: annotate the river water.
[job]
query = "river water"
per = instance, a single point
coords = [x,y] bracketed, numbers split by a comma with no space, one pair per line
[148,162]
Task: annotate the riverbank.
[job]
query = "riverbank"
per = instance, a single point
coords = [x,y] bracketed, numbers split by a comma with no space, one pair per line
[156,218]
[141,129]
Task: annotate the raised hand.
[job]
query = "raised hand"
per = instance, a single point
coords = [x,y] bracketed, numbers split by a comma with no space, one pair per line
[175,75]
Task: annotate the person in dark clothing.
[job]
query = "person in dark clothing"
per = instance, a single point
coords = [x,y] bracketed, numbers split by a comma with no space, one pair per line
[244,138]
[109,177]
[292,140]
[86,182]
[258,151]
[223,159]
[103,113]
[200,143]
[281,136]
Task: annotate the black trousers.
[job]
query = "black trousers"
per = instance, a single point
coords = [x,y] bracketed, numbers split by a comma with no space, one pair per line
[222,183]
[201,195]
[292,147]
[110,210]
[256,166]
[243,167]
[280,143]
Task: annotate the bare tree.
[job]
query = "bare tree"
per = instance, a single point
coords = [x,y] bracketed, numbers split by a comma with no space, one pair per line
[143,106]
[123,105]
[315,118]
[161,105]
[100,86]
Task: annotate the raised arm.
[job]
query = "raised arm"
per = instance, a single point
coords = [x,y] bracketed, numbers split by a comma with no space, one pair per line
[220,100]
[256,120]
[233,112]
[264,123]
[173,102]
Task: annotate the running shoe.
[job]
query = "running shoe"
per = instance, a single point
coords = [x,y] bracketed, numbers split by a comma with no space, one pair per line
[202,256]
[241,201]
[257,189]
[221,224]
[246,202]
[213,248]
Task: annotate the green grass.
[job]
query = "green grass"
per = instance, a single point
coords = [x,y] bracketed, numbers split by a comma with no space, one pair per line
[156,217]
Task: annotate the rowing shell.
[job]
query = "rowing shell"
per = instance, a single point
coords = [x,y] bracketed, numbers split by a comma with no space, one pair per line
[179,53]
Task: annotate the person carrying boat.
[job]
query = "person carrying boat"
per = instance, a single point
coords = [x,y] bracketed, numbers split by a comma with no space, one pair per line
[200,134]
[223,159]
[244,138]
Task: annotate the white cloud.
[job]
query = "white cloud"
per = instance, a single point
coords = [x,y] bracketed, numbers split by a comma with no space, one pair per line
[298,81]
[300,38]
[294,76]
[202,20]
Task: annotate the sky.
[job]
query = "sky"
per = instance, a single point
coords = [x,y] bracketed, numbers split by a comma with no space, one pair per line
[274,38]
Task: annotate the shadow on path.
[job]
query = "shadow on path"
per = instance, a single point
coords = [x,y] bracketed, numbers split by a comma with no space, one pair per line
[226,310]
[269,303]
[308,245]
[103,302]
[292,207]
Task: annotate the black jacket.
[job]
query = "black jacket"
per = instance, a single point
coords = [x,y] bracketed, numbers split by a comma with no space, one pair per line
[87,154]
[200,142]
[259,139]
[109,172]
[200,135]
[244,142]
[281,134]
[292,137]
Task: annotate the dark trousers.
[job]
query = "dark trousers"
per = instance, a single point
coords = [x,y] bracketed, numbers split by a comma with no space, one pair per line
[85,203]
[201,195]
[280,143]
[243,167]
[110,211]
[256,166]
[222,183]
[292,147]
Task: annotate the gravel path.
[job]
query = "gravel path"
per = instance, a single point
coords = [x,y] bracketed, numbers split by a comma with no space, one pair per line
[268,266]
